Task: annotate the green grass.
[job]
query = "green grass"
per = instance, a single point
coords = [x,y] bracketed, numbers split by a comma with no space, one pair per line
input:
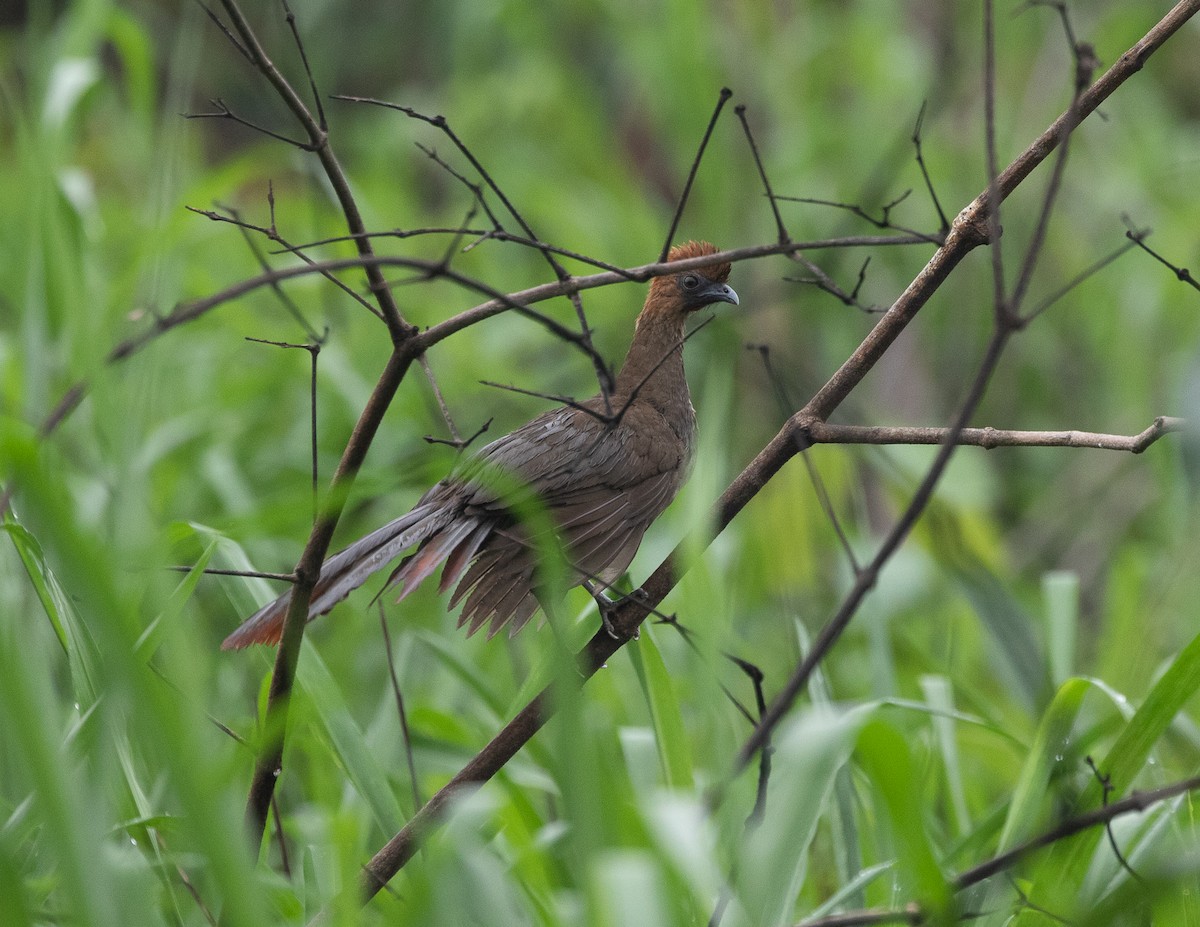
[1042,613]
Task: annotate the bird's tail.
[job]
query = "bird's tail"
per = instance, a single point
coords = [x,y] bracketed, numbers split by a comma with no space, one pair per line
[346,571]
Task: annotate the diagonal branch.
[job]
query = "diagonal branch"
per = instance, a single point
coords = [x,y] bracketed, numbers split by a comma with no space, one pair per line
[912,913]
[722,99]
[1007,321]
[968,231]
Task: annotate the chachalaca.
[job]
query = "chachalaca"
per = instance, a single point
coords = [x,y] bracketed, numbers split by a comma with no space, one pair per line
[604,471]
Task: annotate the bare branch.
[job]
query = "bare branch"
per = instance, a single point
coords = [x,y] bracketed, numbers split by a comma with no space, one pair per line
[912,914]
[405,733]
[823,282]
[1137,801]
[476,189]
[1106,787]
[943,222]
[1084,65]
[312,83]
[1007,321]
[991,212]
[780,229]
[398,328]
[461,443]
[722,99]
[826,433]
[1181,273]
[603,374]
[1075,281]
[251,574]
[272,233]
[225,31]
[602,417]
[441,401]
[500,235]
[884,221]
[222,111]
[823,499]
[314,352]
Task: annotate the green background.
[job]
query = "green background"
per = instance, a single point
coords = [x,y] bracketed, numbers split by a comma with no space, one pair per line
[1047,596]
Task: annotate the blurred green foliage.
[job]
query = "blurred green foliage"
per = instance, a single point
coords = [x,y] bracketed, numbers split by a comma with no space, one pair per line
[1043,612]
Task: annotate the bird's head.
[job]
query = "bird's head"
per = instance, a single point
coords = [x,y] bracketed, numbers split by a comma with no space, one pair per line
[693,289]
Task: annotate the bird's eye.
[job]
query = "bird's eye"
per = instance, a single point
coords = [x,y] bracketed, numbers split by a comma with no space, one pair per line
[690,281]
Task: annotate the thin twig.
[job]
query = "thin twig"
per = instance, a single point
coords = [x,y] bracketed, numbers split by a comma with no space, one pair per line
[476,189]
[241,49]
[1084,66]
[1106,787]
[405,733]
[780,229]
[284,861]
[223,111]
[460,444]
[312,82]
[1137,801]
[822,281]
[603,374]
[943,222]
[1181,273]
[245,228]
[826,503]
[286,248]
[441,400]
[248,574]
[722,99]
[1078,279]
[672,621]
[314,351]
[884,220]
[483,235]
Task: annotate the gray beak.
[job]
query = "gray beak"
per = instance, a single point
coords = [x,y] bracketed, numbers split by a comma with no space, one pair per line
[717,293]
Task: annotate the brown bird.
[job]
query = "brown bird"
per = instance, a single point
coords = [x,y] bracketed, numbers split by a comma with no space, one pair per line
[603,471]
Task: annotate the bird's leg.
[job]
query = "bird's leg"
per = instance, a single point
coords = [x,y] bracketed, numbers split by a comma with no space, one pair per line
[607,605]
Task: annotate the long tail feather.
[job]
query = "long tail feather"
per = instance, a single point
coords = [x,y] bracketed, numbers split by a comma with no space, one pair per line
[416,568]
[344,572]
[462,555]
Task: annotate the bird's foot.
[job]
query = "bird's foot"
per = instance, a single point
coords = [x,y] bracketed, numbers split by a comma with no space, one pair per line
[608,606]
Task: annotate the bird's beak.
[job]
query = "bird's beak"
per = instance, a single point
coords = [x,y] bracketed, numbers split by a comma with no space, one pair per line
[718,293]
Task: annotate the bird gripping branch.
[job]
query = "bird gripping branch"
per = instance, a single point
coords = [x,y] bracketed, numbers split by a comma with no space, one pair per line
[603,473]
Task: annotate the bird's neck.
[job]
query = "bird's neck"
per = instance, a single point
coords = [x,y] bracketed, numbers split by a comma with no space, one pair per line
[653,368]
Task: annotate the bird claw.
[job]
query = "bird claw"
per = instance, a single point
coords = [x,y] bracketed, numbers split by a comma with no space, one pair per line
[607,606]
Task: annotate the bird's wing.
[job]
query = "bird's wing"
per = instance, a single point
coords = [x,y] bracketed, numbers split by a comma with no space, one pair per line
[567,456]
[602,483]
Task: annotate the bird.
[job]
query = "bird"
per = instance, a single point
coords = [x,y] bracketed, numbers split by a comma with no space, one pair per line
[603,470]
